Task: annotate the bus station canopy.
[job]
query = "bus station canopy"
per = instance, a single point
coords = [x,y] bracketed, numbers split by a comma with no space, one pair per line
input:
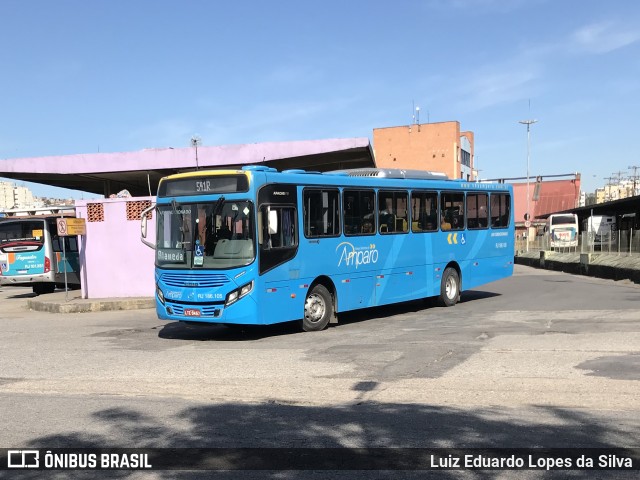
[140,172]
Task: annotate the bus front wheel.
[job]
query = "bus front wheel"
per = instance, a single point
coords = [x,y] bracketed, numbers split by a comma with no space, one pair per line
[449,288]
[318,309]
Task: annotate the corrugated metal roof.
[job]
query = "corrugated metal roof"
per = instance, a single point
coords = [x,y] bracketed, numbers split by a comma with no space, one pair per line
[545,197]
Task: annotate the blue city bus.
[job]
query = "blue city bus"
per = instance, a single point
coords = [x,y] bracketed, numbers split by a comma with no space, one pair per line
[256,246]
[32,253]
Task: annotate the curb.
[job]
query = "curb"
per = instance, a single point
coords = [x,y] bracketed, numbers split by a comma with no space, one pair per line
[90,305]
[577,268]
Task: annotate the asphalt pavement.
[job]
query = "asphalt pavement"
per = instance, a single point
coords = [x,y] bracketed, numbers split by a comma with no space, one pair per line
[543,359]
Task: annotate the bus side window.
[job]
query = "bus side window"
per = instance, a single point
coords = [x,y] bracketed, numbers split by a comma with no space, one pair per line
[321,214]
[500,210]
[424,211]
[393,215]
[477,215]
[279,227]
[452,210]
[387,215]
[358,208]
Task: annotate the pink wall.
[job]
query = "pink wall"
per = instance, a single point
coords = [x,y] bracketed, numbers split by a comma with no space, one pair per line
[114,262]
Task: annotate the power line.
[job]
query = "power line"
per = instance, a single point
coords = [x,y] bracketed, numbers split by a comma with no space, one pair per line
[634,177]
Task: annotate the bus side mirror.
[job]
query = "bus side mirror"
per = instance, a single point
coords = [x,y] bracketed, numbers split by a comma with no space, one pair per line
[143,227]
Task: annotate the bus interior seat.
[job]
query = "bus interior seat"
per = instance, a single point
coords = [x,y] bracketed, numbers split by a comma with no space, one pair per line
[387,222]
[401,224]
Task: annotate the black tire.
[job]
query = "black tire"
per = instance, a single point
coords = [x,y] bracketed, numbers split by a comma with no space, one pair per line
[449,288]
[318,309]
[44,287]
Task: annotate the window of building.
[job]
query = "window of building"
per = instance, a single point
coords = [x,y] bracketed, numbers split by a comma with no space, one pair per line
[465,158]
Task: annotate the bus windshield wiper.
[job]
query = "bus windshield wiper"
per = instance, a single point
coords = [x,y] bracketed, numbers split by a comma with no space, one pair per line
[218,207]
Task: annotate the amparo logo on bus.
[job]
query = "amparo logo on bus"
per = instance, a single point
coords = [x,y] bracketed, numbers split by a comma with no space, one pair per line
[351,255]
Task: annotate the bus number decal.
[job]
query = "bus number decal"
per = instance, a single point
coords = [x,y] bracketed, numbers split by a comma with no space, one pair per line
[203,185]
[351,255]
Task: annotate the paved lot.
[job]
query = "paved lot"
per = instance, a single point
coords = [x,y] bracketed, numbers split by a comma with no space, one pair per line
[543,359]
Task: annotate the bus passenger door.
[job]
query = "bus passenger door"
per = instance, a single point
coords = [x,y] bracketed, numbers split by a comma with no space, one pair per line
[67,259]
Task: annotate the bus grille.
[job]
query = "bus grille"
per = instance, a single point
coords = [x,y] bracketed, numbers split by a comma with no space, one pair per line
[194,281]
[206,311]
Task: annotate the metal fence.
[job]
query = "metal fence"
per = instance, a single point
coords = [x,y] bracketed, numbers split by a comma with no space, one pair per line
[625,242]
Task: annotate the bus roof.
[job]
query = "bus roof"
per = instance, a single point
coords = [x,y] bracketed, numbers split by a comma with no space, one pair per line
[40,211]
[362,177]
[370,173]
[390,173]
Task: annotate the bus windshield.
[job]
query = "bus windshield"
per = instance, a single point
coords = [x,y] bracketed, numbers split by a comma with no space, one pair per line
[563,220]
[212,235]
[21,234]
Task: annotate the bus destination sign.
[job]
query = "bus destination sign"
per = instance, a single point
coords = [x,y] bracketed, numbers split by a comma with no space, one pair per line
[203,185]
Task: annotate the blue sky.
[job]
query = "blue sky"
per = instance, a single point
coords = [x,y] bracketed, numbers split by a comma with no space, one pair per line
[87,76]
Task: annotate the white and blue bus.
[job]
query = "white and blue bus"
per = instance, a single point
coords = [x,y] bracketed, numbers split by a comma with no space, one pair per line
[562,229]
[256,246]
[32,253]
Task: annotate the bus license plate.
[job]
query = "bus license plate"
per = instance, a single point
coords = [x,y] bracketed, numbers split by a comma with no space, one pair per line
[191,312]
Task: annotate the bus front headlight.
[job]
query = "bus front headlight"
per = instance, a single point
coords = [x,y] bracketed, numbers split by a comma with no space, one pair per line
[238,293]
[160,294]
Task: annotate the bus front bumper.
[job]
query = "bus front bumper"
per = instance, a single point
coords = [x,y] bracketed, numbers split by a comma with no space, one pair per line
[242,312]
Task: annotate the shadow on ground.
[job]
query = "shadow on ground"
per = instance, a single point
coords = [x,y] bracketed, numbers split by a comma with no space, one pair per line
[271,425]
[202,331]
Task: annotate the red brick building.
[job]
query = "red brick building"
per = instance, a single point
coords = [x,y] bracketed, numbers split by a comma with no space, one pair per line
[440,147]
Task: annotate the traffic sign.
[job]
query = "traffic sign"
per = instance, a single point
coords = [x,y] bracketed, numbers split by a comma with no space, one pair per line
[71,226]
[62,227]
[527,223]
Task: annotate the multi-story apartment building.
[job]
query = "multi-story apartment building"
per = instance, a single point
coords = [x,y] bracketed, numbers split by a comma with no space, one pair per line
[440,147]
[6,195]
[13,196]
[623,189]
[23,197]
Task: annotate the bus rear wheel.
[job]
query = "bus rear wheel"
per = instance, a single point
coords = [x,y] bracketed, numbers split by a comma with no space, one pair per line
[44,287]
[318,309]
[449,288]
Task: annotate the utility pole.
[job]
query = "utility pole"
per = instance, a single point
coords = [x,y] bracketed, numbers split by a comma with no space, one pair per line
[195,141]
[618,175]
[607,188]
[634,178]
[527,216]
